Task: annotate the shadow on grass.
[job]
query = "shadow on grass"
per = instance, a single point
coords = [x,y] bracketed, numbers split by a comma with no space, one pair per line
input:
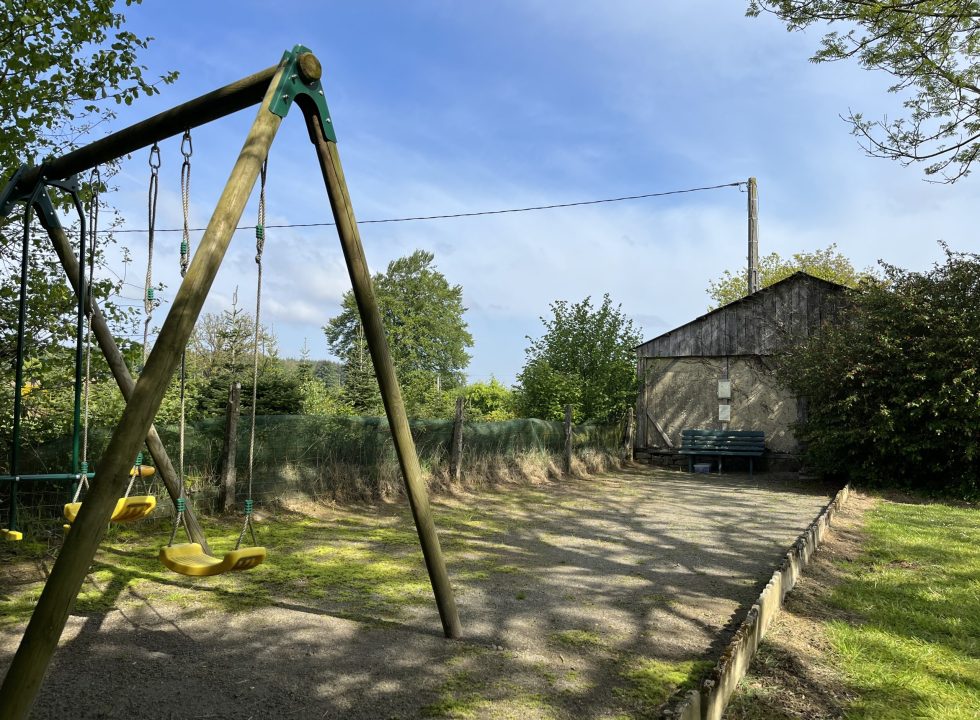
[652,568]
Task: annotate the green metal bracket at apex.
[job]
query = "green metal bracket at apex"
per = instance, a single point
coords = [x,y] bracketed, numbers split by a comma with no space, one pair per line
[301,81]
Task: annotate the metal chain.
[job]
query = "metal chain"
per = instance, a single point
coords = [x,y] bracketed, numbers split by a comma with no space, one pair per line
[259,248]
[148,297]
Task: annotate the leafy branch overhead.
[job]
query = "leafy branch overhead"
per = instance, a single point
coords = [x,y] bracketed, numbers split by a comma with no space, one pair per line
[930,47]
[64,65]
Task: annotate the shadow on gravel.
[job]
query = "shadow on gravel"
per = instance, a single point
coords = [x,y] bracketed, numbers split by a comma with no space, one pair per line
[565,591]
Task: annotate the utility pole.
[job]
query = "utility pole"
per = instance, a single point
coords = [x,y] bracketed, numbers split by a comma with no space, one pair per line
[753,273]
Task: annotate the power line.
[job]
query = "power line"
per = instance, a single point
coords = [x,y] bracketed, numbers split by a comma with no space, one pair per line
[478,213]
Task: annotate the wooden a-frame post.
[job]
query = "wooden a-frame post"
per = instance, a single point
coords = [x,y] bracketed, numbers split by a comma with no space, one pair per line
[26,672]
[384,368]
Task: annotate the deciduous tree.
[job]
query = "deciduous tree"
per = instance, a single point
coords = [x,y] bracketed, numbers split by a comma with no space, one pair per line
[930,47]
[64,67]
[428,338]
[893,391]
[827,264]
[586,359]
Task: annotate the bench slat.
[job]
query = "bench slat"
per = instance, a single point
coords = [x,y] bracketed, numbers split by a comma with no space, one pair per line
[723,442]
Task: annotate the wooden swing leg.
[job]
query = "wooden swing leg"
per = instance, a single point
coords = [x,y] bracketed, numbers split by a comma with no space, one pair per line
[123,378]
[350,241]
[27,670]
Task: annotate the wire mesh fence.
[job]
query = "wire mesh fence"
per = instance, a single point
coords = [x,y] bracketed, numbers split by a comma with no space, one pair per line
[314,457]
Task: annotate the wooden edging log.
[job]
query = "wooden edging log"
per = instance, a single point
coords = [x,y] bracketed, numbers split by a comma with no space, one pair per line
[709,700]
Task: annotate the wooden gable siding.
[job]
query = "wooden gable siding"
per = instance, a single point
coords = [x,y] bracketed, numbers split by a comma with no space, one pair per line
[760,324]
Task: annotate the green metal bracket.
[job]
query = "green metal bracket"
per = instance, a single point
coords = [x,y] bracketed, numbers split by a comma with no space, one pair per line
[9,196]
[301,80]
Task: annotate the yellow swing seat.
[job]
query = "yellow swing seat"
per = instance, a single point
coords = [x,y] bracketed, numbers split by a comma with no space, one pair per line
[190,559]
[143,471]
[127,509]
[11,534]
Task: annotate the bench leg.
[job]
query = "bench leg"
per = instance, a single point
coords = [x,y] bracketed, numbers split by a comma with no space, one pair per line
[690,463]
[750,467]
[719,464]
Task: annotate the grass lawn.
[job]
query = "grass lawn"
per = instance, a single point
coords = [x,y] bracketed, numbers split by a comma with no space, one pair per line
[897,632]
[916,652]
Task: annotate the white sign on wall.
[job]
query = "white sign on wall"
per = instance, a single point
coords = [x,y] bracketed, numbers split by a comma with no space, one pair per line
[725,413]
[724,389]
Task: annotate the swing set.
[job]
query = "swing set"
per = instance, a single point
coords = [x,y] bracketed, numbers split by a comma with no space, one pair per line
[295,80]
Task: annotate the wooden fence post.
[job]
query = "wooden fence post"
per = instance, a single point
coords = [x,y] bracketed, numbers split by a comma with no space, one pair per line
[568,440]
[629,435]
[456,448]
[230,451]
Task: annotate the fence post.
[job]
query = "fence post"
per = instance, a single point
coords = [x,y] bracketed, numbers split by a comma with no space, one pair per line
[629,435]
[456,448]
[230,450]
[568,440]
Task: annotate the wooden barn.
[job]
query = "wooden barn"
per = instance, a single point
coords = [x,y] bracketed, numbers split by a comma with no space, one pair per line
[715,372]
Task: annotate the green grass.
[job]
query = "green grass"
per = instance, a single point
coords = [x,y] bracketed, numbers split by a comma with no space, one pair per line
[914,652]
[577,638]
[653,682]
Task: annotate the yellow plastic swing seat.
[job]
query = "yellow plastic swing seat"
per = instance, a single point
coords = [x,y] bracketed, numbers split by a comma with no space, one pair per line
[143,471]
[11,534]
[190,559]
[127,509]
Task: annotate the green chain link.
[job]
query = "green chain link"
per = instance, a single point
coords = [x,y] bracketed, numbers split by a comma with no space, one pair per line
[248,508]
[180,505]
[149,294]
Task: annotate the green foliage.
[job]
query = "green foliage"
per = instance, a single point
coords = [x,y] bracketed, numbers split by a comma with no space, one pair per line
[652,681]
[930,47]
[221,352]
[65,66]
[827,264]
[491,401]
[427,336]
[893,392]
[320,399]
[585,359]
[69,59]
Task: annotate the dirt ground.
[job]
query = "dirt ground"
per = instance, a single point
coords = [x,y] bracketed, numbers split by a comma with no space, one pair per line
[792,676]
[595,577]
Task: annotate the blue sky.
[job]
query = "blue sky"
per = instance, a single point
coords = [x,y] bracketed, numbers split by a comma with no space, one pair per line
[444,107]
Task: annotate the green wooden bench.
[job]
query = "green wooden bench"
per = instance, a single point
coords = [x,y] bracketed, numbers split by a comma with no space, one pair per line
[740,443]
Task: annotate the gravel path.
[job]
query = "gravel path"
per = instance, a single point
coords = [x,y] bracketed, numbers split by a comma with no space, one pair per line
[588,580]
